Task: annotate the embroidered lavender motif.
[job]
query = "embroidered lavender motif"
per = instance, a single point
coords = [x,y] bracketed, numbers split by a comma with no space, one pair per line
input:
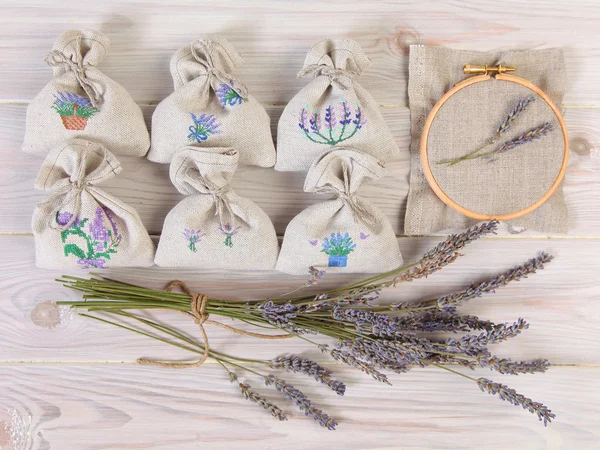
[329,127]
[100,242]
[228,96]
[338,247]
[229,232]
[204,126]
[73,109]
[193,237]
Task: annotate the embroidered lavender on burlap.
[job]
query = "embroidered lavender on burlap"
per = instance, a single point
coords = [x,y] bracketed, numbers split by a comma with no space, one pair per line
[99,242]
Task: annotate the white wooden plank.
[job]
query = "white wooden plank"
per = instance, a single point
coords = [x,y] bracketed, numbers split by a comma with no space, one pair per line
[559,302]
[147,187]
[116,407]
[275,36]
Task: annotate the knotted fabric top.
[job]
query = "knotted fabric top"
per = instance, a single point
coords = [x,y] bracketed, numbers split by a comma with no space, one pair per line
[341,172]
[76,51]
[213,57]
[338,59]
[71,169]
[208,171]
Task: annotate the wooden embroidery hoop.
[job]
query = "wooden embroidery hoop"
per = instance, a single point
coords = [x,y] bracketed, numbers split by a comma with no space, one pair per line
[487,73]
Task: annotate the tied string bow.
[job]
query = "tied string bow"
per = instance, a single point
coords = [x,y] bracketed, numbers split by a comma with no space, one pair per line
[72,193]
[219,195]
[198,306]
[340,77]
[216,76]
[75,64]
[360,210]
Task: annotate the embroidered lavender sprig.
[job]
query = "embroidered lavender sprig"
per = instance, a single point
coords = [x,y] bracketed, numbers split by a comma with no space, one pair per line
[228,96]
[335,128]
[204,126]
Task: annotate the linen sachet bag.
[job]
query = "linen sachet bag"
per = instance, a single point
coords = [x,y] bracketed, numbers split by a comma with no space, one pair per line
[345,233]
[331,110]
[82,102]
[80,225]
[214,227]
[210,108]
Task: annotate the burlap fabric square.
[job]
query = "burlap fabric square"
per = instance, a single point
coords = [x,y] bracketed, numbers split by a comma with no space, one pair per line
[81,102]
[509,182]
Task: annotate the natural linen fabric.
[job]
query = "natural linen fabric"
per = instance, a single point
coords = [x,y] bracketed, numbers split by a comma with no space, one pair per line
[80,225]
[82,102]
[210,108]
[214,227]
[332,110]
[515,179]
[346,233]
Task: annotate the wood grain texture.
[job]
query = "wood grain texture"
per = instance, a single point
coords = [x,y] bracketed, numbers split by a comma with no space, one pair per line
[70,383]
[274,38]
[71,407]
[147,187]
[558,301]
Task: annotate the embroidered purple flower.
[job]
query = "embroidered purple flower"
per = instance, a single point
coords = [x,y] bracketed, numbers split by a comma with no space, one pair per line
[69,104]
[193,236]
[336,129]
[228,96]
[338,245]
[97,228]
[229,232]
[109,215]
[98,244]
[204,126]
[345,113]
[88,263]
[63,218]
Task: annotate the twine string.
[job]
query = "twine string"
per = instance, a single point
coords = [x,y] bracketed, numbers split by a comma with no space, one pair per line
[360,210]
[198,305]
[212,72]
[57,58]
[342,78]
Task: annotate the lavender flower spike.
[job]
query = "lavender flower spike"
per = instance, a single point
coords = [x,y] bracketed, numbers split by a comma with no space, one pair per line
[293,363]
[521,106]
[302,401]
[253,396]
[510,395]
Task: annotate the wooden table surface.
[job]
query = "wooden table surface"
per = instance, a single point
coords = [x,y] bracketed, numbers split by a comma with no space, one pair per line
[68,383]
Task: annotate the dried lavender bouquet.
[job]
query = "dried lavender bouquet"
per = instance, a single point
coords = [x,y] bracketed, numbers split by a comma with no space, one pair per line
[370,337]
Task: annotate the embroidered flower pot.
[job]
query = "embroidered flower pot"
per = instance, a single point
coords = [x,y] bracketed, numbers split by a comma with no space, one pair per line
[82,102]
[332,110]
[214,227]
[343,234]
[74,122]
[338,261]
[79,225]
[210,108]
